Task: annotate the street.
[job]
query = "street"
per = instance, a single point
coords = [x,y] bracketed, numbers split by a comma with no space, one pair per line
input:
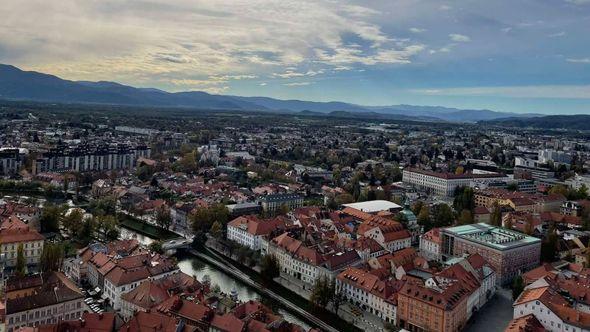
[495,315]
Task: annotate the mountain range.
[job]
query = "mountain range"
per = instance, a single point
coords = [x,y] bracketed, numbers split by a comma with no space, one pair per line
[16,84]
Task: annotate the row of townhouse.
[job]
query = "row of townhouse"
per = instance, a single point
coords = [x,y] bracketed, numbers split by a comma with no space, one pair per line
[40,299]
[307,264]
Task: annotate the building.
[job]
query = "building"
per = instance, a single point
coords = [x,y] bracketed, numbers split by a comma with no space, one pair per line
[445,184]
[366,291]
[89,322]
[14,233]
[240,209]
[86,157]
[445,300]
[375,206]
[274,202]
[152,293]
[306,264]
[129,272]
[551,309]
[11,160]
[510,253]
[249,230]
[438,304]
[430,245]
[41,299]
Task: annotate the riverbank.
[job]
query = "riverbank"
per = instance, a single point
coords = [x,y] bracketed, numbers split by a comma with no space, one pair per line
[296,298]
[146,229]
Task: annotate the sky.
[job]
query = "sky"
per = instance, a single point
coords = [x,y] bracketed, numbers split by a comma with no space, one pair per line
[528,56]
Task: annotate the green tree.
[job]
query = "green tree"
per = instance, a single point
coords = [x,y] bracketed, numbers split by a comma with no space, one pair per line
[517,287]
[52,256]
[424,217]
[443,215]
[72,222]
[21,264]
[270,267]
[156,246]
[103,206]
[107,227]
[50,216]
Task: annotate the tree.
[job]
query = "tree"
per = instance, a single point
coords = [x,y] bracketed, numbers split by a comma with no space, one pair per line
[21,264]
[443,215]
[464,199]
[496,216]
[103,206]
[156,246]
[270,267]
[49,219]
[52,256]
[107,227]
[216,230]
[283,209]
[163,218]
[424,217]
[517,287]
[322,292]
[465,218]
[72,221]
[549,245]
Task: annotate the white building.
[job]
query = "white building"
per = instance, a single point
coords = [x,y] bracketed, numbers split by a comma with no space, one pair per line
[249,230]
[445,184]
[369,293]
[430,245]
[551,310]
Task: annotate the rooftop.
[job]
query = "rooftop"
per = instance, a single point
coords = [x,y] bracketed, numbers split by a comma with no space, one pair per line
[373,206]
[491,236]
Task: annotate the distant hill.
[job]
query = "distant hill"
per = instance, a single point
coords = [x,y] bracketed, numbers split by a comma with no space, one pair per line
[16,84]
[574,122]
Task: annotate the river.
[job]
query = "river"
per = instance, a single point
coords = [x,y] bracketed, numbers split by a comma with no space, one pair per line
[195,267]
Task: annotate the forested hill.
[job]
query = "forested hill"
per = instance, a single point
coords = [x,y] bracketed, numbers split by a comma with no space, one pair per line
[575,122]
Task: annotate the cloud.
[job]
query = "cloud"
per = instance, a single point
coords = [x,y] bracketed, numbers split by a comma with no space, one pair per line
[263,84]
[291,73]
[459,38]
[557,34]
[445,7]
[542,91]
[298,84]
[578,60]
[578,2]
[417,30]
[156,40]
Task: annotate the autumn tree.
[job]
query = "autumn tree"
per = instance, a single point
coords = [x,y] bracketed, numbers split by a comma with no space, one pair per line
[163,218]
[465,218]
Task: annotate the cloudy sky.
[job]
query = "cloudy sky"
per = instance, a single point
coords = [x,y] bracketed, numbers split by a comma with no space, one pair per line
[506,55]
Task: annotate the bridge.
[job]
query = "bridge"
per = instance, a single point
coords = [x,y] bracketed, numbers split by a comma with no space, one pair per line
[170,246]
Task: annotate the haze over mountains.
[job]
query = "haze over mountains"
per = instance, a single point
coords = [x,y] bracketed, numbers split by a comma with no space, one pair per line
[16,84]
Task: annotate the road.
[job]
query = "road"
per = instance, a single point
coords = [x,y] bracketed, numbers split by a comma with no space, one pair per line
[495,315]
[228,268]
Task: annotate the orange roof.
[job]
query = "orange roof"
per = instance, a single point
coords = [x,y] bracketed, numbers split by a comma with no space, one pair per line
[528,323]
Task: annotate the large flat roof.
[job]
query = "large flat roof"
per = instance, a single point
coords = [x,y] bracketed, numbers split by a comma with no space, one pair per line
[373,206]
[492,236]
